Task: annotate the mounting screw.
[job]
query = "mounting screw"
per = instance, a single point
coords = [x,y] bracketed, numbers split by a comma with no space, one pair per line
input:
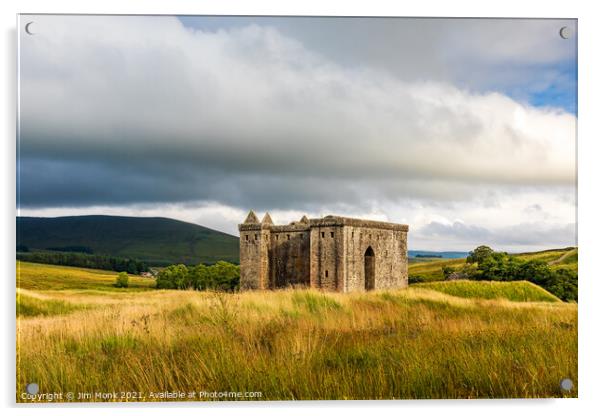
[566,384]
[32,388]
[565,32]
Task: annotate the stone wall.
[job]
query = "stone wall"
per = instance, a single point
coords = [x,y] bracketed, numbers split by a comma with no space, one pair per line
[390,252]
[289,257]
[326,253]
[254,258]
[326,248]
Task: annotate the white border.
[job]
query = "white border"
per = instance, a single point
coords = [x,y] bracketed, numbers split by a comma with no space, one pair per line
[590,71]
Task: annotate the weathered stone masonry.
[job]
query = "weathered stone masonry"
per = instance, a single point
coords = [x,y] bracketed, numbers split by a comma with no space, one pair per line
[332,253]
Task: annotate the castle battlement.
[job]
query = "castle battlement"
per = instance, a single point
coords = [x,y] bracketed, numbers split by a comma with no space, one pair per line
[333,253]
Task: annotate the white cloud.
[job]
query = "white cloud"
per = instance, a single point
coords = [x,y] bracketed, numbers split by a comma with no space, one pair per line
[134,109]
[516,238]
[251,100]
[518,55]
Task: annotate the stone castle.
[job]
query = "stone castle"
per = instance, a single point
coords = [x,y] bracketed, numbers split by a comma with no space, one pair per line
[331,253]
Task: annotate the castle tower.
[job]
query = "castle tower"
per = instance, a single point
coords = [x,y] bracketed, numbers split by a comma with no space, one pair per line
[254,252]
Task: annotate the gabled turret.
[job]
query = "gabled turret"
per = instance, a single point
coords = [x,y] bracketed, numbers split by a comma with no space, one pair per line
[252,218]
[304,220]
[267,219]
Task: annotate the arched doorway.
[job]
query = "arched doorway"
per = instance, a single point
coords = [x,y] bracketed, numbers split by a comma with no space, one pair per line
[369,266]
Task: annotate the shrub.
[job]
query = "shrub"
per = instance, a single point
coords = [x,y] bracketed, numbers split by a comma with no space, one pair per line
[416,279]
[447,270]
[122,280]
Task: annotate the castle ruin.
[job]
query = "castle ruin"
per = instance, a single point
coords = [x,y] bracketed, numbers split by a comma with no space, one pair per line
[331,253]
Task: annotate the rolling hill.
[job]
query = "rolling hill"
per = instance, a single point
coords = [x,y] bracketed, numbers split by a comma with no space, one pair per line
[157,241]
[519,291]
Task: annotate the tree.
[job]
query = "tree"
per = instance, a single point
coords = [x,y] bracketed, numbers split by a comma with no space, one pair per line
[200,277]
[122,280]
[479,254]
[499,266]
[563,283]
[174,277]
[535,271]
[224,276]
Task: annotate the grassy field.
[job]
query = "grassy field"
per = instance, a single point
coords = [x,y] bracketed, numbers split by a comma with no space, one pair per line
[568,260]
[37,276]
[431,269]
[520,291]
[302,344]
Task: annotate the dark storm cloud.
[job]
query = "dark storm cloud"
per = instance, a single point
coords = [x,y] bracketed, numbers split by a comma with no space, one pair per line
[55,183]
[137,109]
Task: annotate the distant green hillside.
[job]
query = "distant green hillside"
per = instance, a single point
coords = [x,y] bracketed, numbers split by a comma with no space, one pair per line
[157,241]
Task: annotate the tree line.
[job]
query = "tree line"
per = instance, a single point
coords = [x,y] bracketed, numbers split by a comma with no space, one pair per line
[221,276]
[90,261]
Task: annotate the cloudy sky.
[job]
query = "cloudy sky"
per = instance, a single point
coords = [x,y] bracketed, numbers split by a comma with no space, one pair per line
[464,129]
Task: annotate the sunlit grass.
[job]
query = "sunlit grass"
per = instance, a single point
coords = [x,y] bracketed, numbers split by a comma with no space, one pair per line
[33,304]
[37,276]
[296,344]
[520,291]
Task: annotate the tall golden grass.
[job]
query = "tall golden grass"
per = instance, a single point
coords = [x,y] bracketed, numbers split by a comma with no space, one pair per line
[519,290]
[296,344]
